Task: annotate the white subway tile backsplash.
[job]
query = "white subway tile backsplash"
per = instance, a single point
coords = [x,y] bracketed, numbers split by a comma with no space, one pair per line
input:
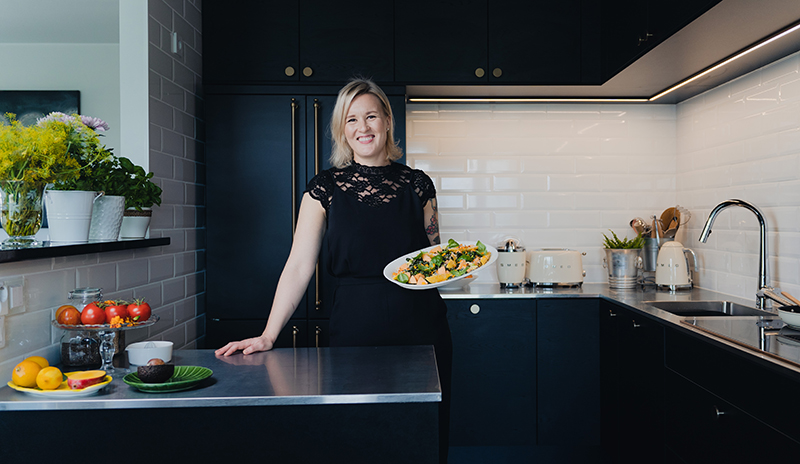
[562,174]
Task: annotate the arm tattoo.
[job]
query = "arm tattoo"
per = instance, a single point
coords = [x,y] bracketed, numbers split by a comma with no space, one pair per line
[433,229]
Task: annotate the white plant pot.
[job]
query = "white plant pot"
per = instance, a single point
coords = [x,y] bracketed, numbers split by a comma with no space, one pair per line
[135,226]
[69,214]
[106,218]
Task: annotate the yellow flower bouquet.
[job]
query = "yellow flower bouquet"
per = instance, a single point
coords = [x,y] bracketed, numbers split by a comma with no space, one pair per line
[54,150]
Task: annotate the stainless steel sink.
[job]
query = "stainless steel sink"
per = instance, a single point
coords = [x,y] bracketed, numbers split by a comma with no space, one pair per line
[708,308]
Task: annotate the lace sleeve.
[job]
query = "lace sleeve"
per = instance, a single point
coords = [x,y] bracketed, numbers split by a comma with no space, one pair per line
[321,188]
[424,187]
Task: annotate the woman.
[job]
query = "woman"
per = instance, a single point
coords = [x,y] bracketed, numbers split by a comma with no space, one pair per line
[369,211]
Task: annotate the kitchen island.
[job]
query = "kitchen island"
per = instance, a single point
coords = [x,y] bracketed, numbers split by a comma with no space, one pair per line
[376,404]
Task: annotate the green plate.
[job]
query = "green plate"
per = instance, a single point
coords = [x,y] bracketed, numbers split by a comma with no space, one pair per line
[184,378]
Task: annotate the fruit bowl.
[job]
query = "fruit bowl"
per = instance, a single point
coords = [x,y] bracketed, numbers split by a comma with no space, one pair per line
[63,390]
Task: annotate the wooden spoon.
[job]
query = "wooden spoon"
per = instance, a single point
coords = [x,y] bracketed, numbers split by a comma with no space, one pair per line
[794,300]
[666,218]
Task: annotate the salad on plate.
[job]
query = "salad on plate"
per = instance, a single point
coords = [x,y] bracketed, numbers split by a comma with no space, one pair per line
[439,264]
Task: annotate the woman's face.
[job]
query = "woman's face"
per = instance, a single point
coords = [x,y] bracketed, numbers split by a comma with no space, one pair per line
[366,130]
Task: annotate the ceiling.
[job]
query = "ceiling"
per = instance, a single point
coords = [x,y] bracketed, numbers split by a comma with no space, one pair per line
[59,21]
[725,29]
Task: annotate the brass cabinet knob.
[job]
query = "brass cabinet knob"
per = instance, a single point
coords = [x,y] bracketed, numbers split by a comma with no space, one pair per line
[308,71]
[497,72]
[480,72]
[289,71]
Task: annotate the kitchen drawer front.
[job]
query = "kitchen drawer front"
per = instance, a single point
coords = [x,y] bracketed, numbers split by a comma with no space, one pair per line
[744,383]
[702,427]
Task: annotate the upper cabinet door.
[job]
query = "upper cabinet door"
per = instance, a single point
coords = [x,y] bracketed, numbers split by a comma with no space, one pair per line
[631,28]
[250,41]
[535,43]
[441,41]
[339,42]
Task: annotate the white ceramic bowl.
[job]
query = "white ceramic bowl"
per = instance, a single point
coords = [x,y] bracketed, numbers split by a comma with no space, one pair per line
[791,317]
[141,352]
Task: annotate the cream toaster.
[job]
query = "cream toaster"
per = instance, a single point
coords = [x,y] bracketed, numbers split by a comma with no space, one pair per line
[556,267]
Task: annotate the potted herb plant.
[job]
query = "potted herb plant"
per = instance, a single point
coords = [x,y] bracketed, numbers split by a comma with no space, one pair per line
[623,260]
[70,202]
[141,194]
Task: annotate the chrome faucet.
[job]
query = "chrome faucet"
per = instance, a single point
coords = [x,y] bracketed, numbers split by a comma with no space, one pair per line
[762,302]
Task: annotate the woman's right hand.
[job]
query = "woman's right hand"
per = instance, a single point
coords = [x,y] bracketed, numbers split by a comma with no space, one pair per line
[247,346]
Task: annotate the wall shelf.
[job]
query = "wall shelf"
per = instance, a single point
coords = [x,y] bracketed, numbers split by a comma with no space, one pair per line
[48,250]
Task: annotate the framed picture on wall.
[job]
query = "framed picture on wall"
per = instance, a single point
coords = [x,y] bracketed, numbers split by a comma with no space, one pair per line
[30,105]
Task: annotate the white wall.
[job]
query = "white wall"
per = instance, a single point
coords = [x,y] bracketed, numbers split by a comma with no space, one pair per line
[93,69]
[560,175]
[742,140]
[553,175]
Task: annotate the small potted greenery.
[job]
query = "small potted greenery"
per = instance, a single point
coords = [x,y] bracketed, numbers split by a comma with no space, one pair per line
[141,194]
[623,260]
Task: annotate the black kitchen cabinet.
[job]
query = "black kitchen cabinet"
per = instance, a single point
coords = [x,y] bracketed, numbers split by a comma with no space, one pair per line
[701,427]
[305,41]
[493,408]
[568,379]
[441,41]
[631,28]
[253,41]
[479,42]
[534,42]
[262,148]
[632,360]
[748,393]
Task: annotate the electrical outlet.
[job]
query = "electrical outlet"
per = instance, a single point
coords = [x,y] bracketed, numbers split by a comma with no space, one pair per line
[4,297]
[2,331]
[16,295]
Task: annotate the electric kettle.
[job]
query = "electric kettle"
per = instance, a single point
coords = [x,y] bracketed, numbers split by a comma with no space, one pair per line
[672,266]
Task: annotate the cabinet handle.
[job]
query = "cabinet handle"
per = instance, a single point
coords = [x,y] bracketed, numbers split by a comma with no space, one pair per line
[289,71]
[474,309]
[318,300]
[497,72]
[717,413]
[295,331]
[480,72]
[308,71]
[317,331]
[294,167]
[611,313]
[635,325]
[647,35]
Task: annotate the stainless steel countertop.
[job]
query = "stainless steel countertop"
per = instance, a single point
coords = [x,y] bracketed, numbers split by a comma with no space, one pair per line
[765,339]
[302,376]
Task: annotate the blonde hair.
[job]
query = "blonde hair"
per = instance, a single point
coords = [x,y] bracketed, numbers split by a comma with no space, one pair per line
[342,153]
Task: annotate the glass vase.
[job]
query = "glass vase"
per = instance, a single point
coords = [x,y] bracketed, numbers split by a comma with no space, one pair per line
[20,212]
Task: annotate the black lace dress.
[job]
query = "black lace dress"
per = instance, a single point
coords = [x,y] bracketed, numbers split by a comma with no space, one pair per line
[374,215]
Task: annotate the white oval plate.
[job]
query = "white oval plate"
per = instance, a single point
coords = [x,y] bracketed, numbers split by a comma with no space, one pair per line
[395,264]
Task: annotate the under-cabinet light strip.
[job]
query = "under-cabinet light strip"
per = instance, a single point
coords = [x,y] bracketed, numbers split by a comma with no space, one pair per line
[520,100]
[728,60]
[675,87]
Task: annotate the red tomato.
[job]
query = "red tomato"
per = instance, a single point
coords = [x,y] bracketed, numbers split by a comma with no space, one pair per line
[139,311]
[92,314]
[112,311]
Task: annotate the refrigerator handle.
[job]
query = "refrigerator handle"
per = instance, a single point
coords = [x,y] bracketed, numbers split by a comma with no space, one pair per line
[318,301]
[294,165]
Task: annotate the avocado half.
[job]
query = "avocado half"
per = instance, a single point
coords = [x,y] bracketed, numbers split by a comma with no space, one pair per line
[156,374]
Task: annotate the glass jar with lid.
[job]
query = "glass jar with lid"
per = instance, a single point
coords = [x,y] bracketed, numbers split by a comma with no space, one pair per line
[81,348]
